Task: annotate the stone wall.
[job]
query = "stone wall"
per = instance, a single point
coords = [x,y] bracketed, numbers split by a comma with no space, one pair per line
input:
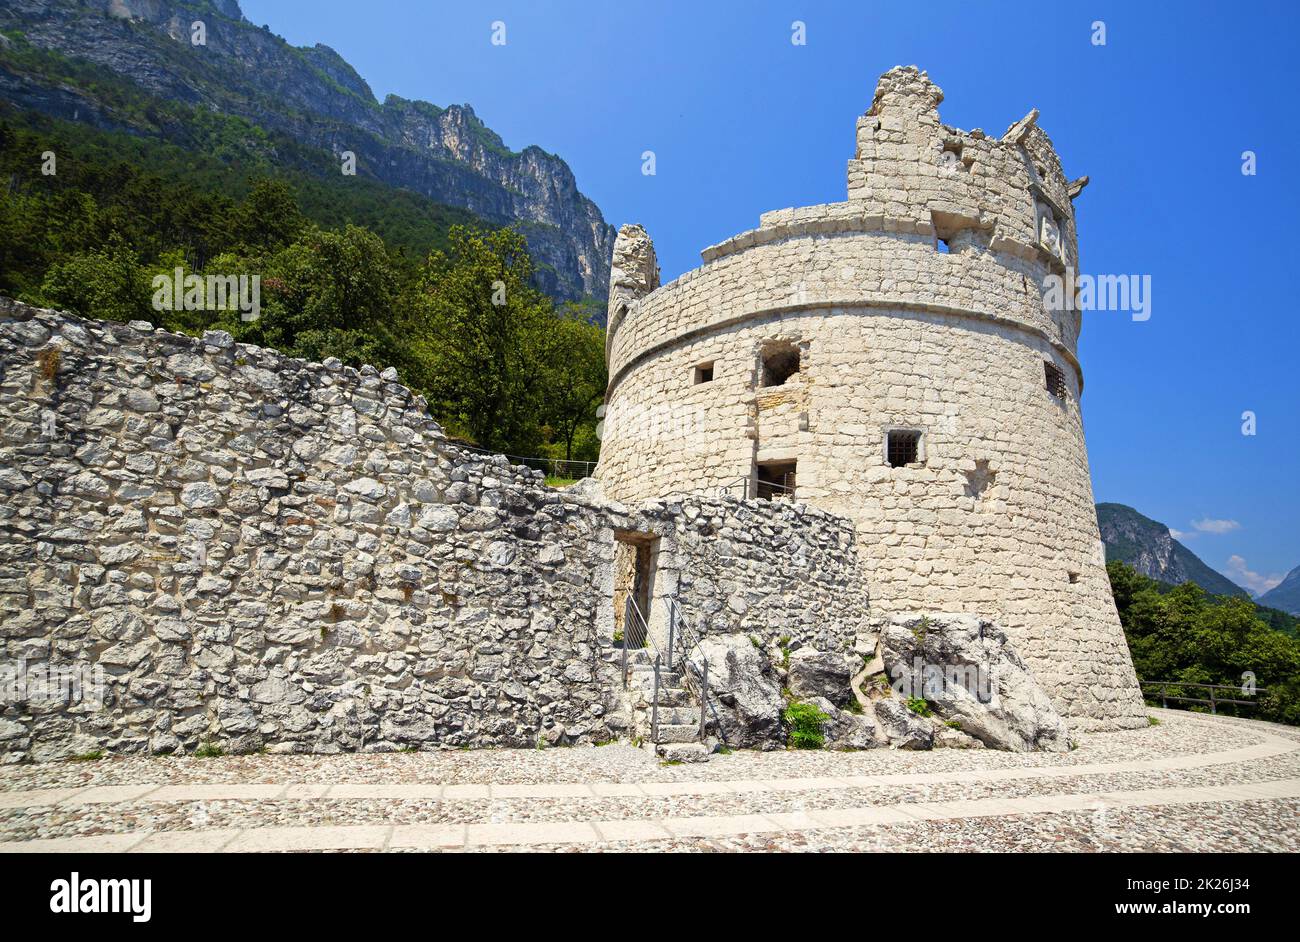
[260,552]
[916,304]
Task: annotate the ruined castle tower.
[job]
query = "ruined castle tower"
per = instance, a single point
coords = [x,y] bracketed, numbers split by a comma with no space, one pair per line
[891,358]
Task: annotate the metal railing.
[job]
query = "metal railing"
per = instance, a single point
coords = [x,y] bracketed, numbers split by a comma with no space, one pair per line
[636,633]
[762,490]
[681,641]
[555,467]
[1213,701]
[686,640]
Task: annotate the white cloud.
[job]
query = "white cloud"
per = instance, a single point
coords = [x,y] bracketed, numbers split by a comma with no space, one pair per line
[1181,535]
[1256,583]
[1208,525]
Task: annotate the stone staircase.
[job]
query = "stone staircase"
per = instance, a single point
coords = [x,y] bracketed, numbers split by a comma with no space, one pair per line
[678,736]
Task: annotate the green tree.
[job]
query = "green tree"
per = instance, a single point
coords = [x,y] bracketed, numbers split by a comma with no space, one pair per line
[327,294]
[575,380]
[268,218]
[484,338]
[1181,633]
[107,283]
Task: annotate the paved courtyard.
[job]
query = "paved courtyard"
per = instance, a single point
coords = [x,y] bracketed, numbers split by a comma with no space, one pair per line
[1191,783]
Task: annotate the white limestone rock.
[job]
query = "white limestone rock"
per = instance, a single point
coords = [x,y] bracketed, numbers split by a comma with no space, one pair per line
[967,670]
[743,687]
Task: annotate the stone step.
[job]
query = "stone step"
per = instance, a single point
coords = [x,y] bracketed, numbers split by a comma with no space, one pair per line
[678,715]
[678,732]
[668,697]
[645,675]
[682,752]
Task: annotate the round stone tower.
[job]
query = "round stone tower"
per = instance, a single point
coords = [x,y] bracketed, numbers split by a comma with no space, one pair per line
[893,358]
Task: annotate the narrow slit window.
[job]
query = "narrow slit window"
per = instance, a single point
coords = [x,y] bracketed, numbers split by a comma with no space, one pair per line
[903,447]
[703,373]
[1055,380]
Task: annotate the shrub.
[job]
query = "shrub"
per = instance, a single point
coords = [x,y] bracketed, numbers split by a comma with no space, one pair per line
[806,723]
[918,706]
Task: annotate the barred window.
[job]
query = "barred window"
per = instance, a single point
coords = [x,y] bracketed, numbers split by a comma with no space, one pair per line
[902,447]
[1055,380]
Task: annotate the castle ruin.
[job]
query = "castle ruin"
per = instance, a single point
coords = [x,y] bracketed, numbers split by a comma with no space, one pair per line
[891,358]
[846,447]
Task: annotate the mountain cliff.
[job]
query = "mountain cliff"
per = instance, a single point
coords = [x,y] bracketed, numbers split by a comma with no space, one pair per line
[312,96]
[1285,595]
[1150,548]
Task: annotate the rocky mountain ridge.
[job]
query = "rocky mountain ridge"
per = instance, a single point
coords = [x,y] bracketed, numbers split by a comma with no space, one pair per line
[1150,548]
[314,96]
[1285,595]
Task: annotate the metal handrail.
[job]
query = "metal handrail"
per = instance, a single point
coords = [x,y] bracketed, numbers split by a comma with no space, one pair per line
[746,484]
[678,627]
[1213,702]
[690,640]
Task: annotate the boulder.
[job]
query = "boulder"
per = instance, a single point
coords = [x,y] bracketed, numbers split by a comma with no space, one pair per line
[901,727]
[947,738]
[816,673]
[969,673]
[743,689]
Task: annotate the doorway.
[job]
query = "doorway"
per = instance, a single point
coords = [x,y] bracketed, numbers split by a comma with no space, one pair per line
[635,556]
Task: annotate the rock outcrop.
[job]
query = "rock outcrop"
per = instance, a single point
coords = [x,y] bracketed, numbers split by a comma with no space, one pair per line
[967,671]
[744,690]
[902,728]
[824,674]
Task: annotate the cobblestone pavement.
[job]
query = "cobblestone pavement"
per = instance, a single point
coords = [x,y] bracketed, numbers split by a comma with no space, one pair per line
[1190,783]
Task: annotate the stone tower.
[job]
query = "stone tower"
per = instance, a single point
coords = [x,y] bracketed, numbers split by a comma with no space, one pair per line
[891,358]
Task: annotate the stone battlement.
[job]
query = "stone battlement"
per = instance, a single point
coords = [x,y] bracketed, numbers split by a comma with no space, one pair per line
[936,219]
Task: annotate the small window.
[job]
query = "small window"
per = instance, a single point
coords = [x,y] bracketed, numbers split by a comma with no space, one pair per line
[1055,380]
[774,480]
[903,448]
[704,373]
[780,362]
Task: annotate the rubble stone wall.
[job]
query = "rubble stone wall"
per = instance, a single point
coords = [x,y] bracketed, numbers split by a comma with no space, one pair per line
[261,552]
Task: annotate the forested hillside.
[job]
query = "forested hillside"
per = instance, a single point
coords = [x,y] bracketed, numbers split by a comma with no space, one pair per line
[1183,634]
[347,268]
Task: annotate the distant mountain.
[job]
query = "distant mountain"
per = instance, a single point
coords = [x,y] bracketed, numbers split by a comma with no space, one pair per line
[309,95]
[1285,595]
[1149,548]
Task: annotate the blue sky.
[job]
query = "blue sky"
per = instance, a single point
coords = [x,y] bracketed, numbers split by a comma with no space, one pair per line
[743,121]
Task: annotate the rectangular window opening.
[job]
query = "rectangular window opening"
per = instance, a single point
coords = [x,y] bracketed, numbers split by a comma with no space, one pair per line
[774,480]
[704,373]
[903,447]
[780,362]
